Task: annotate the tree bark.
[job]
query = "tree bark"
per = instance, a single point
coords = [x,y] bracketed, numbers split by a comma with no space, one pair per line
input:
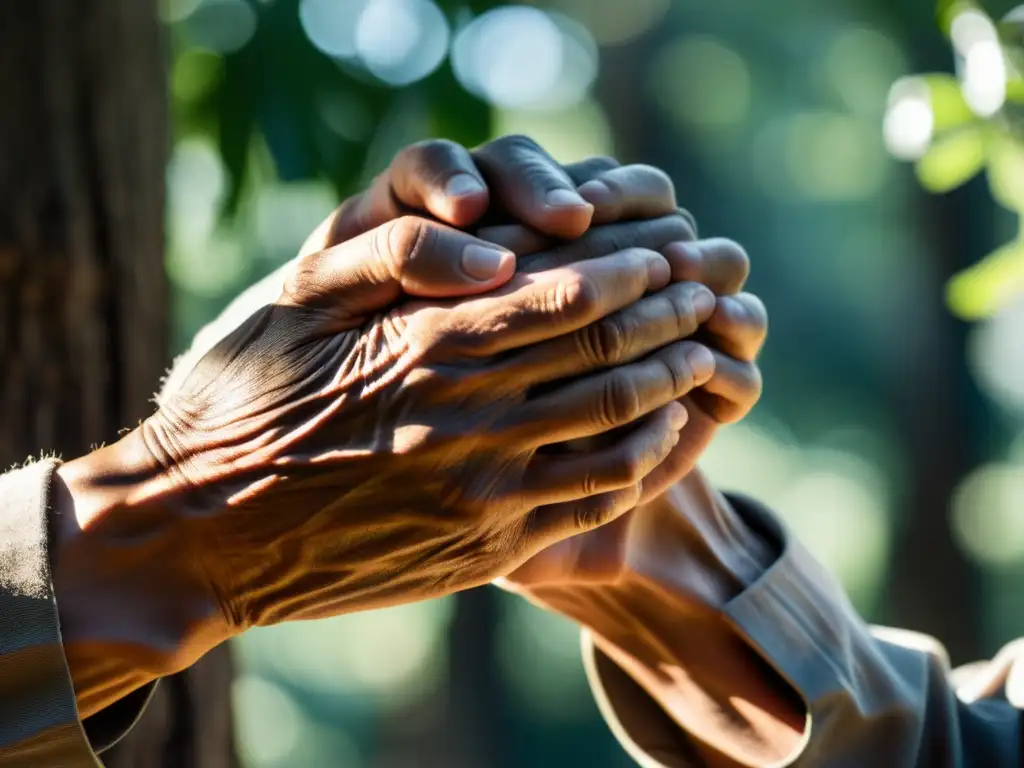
[83,294]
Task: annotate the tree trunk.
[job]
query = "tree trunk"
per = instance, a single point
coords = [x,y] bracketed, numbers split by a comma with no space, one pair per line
[83,296]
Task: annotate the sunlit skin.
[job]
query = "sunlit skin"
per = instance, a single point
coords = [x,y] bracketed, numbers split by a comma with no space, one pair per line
[255,494]
[648,584]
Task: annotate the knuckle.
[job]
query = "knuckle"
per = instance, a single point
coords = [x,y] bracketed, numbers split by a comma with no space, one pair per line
[600,510]
[577,296]
[683,311]
[595,512]
[302,278]
[436,155]
[516,142]
[620,401]
[405,239]
[403,233]
[590,485]
[606,340]
[442,148]
[632,467]
[678,371]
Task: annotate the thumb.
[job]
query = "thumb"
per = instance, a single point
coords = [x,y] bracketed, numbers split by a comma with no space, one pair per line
[409,255]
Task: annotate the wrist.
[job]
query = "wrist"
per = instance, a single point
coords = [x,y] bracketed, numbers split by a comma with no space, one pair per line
[691,540]
[133,602]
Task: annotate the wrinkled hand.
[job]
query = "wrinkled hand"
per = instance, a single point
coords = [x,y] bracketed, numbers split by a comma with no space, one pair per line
[510,179]
[329,458]
[735,333]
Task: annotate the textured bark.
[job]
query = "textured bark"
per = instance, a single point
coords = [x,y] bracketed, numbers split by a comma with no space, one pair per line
[83,295]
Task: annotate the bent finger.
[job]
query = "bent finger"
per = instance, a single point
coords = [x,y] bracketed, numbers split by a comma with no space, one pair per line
[534,308]
[738,326]
[601,402]
[410,255]
[440,177]
[672,314]
[532,187]
[630,192]
[559,477]
[722,265]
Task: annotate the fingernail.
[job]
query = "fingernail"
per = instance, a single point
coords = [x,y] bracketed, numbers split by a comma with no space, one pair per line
[597,192]
[677,416]
[703,302]
[481,262]
[564,198]
[463,184]
[702,362]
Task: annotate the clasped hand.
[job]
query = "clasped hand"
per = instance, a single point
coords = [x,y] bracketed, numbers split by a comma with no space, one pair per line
[403,419]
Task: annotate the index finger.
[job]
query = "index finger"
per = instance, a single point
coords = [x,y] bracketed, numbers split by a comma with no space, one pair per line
[533,308]
[532,187]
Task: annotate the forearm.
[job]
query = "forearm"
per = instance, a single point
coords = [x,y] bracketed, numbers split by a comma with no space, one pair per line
[735,709]
[662,623]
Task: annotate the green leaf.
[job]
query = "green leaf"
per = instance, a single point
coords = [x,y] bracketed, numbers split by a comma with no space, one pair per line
[983,289]
[1006,172]
[949,109]
[952,160]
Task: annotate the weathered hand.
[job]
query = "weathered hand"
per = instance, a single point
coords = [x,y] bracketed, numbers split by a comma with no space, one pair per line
[328,456]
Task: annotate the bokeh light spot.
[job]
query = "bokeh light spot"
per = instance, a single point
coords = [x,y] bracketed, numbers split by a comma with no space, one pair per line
[269,721]
[401,41]
[984,78]
[569,135]
[286,213]
[996,356]
[330,25]
[172,11]
[859,66]
[909,123]
[616,23]
[518,56]
[719,97]
[986,514]
[195,74]
[823,156]
[383,657]
[539,654]
[835,157]
[224,26]
[842,520]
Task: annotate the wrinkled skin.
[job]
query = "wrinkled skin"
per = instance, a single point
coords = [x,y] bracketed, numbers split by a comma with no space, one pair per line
[339,461]
[377,423]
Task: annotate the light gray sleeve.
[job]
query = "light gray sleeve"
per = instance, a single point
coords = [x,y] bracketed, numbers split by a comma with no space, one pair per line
[873,696]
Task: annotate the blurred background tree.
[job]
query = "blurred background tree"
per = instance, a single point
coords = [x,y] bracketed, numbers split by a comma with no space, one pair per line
[891,434]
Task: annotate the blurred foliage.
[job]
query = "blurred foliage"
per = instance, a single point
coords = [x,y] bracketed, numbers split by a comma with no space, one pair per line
[317,115]
[956,126]
[767,116]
